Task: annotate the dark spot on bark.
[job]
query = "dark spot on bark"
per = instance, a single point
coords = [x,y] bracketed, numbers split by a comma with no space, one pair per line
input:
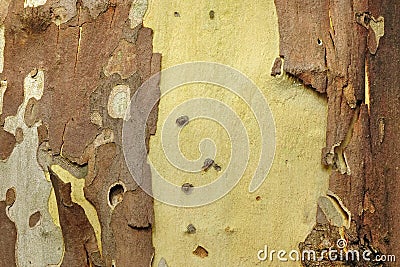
[367,19]
[35,20]
[207,164]
[10,196]
[363,18]
[258,198]
[187,188]
[182,120]
[34,219]
[191,229]
[212,14]
[176,14]
[19,135]
[319,41]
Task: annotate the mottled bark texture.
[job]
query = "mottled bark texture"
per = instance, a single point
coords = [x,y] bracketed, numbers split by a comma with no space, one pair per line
[8,232]
[384,80]
[85,49]
[330,46]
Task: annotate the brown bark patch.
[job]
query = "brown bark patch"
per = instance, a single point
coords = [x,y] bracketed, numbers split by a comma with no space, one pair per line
[10,196]
[338,39]
[79,237]
[8,233]
[7,143]
[200,252]
[34,219]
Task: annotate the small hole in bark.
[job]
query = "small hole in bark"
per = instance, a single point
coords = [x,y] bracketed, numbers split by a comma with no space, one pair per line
[201,252]
[191,229]
[187,188]
[182,120]
[176,14]
[258,198]
[116,194]
[207,164]
[319,41]
[34,219]
[212,14]
[367,19]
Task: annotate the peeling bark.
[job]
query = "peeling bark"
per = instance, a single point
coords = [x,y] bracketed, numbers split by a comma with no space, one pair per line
[329,56]
[383,186]
[79,238]
[340,41]
[83,49]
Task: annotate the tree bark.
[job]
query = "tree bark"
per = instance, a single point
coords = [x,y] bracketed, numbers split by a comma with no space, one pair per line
[341,43]
[69,68]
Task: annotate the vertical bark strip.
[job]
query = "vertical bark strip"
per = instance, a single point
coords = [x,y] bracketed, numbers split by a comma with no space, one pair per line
[337,38]
[384,83]
[8,233]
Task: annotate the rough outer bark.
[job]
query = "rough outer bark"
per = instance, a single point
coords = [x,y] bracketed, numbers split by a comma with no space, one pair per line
[80,61]
[383,186]
[328,58]
[8,233]
[337,37]
[79,238]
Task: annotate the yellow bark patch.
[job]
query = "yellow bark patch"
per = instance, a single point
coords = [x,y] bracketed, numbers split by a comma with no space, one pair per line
[280,214]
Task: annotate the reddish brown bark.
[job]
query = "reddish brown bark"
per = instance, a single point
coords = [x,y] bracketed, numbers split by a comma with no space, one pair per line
[79,76]
[384,80]
[8,232]
[79,238]
[7,143]
[329,55]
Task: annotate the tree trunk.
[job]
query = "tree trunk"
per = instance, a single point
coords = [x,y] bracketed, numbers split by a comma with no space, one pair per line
[349,50]
[69,68]
[69,71]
